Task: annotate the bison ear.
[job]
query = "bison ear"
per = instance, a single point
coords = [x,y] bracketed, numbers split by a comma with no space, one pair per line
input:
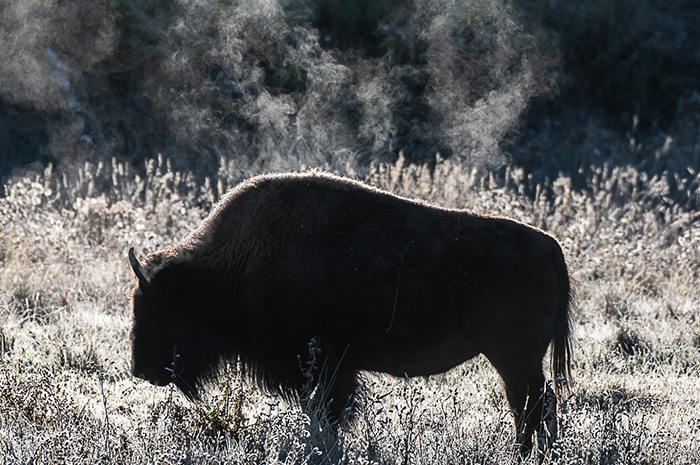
[138,269]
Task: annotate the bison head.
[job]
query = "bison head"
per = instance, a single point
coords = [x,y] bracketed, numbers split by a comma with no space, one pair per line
[166,337]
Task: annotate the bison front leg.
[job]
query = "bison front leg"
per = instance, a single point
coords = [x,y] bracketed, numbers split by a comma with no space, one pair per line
[341,397]
[325,385]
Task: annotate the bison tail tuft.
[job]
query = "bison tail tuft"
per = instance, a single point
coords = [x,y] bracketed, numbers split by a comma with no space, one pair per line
[561,349]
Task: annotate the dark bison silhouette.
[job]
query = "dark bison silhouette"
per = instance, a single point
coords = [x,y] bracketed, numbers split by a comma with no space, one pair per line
[379,282]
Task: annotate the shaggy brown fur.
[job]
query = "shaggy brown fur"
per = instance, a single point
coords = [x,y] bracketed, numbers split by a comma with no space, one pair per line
[382,283]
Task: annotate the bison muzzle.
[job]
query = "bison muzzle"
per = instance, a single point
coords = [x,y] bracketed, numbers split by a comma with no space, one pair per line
[381,283]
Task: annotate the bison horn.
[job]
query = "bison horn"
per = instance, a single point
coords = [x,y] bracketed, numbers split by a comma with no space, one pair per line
[138,269]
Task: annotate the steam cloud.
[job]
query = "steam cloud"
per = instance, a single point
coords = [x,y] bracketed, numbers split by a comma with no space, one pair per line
[254,83]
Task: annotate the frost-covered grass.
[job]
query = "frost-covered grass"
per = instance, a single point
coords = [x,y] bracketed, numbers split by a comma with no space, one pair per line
[66,394]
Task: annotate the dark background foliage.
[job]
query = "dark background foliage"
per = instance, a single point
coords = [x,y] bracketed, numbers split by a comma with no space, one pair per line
[547,85]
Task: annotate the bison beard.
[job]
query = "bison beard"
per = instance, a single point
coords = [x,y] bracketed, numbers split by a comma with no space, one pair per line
[383,283]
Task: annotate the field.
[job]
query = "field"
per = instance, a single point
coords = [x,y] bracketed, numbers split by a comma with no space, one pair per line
[67,396]
[123,121]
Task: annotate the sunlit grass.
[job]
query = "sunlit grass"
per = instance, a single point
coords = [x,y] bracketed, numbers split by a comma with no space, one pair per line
[66,392]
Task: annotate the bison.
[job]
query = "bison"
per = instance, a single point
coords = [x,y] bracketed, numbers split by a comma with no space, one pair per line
[380,283]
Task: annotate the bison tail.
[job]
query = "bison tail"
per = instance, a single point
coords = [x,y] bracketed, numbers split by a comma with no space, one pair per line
[561,349]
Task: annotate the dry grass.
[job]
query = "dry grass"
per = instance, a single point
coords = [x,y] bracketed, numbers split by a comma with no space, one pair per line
[66,394]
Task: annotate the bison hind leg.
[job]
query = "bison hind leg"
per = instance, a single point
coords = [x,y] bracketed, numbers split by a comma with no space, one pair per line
[547,433]
[538,416]
[524,384]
